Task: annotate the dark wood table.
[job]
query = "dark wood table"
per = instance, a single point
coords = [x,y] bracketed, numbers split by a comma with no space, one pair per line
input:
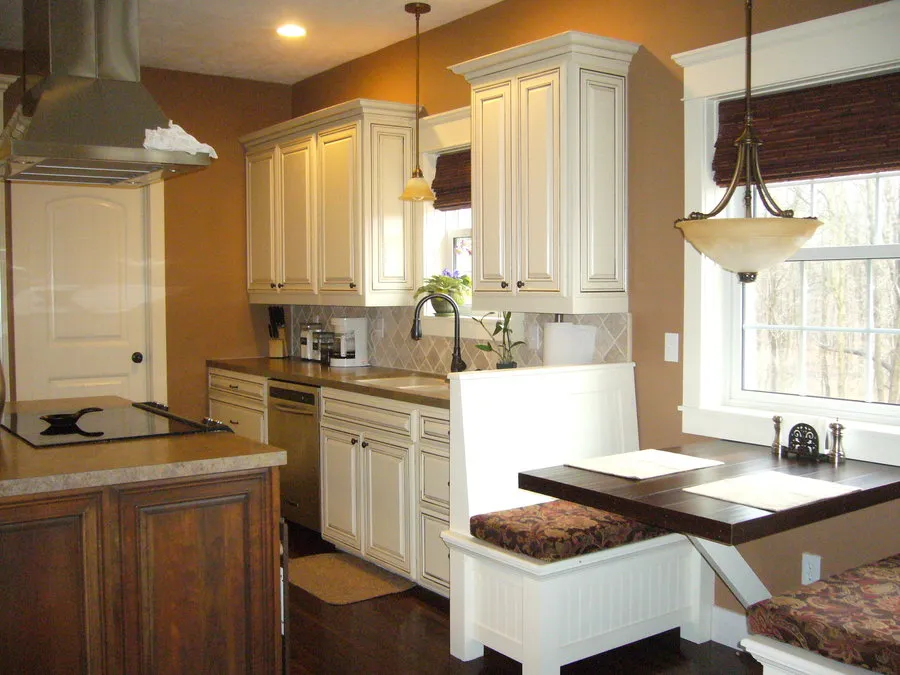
[716,526]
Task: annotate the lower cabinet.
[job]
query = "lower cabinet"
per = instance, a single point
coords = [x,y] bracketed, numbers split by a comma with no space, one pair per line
[239,400]
[175,576]
[385,483]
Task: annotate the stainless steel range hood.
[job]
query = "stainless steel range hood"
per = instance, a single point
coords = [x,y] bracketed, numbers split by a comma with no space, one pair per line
[84,113]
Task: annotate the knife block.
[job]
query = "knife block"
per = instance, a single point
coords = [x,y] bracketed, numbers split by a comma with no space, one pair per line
[277,348]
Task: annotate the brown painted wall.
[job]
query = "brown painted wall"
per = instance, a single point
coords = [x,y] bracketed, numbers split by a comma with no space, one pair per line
[655,183]
[207,312]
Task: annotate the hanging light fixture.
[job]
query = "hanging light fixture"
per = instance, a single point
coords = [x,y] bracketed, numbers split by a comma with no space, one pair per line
[747,245]
[417,188]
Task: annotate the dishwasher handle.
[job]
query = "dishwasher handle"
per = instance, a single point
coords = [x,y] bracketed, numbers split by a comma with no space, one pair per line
[292,408]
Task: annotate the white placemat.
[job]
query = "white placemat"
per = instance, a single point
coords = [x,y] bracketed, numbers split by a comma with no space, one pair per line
[771,490]
[648,463]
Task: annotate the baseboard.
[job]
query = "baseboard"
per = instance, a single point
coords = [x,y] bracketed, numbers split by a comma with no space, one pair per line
[728,627]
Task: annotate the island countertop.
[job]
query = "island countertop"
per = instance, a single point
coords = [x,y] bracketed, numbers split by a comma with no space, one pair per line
[28,470]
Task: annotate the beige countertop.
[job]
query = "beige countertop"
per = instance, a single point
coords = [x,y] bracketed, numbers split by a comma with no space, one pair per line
[28,470]
[351,379]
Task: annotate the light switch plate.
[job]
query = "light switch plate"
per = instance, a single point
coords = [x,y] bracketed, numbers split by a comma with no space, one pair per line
[671,351]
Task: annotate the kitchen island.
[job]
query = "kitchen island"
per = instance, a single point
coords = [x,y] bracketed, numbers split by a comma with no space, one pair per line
[147,555]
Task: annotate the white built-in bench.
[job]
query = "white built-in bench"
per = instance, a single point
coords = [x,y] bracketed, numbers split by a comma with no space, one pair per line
[546,613]
[848,623]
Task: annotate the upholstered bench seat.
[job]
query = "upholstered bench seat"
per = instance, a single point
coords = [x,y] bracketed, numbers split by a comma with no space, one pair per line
[558,530]
[852,617]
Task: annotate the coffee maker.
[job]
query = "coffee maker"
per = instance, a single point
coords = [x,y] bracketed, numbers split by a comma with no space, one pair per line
[351,343]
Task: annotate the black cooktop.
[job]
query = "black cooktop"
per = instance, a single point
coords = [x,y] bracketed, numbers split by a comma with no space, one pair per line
[99,425]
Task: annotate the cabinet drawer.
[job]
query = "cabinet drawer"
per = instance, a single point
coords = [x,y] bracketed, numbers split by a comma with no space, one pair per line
[377,417]
[434,556]
[434,477]
[247,385]
[434,428]
[243,421]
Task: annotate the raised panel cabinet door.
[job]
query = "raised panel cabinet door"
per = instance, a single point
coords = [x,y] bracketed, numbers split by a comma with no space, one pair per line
[434,567]
[262,273]
[298,216]
[339,210]
[602,171]
[392,221]
[538,164]
[245,422]
[492,188]
[52,617]
[199,569]
[387,495]
[339,468]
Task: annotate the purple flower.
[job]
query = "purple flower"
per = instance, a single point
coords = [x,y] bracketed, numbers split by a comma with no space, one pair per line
[447,273]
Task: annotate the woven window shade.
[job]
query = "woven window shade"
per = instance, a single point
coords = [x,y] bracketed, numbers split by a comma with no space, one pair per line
[452,183]
[829,130]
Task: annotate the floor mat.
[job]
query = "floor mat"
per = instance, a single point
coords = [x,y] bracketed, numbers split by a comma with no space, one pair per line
[340,579]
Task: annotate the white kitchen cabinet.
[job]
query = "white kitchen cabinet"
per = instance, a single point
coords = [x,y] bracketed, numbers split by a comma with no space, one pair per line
[324,220]
[239,400]
[433,509]
[367,478]
[340,485]
[549,175]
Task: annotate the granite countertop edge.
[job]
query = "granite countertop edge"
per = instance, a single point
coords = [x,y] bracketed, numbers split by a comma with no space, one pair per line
[311,373]
[137,474]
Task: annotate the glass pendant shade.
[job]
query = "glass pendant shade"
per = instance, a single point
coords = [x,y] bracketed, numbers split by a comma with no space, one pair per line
[417,190]
[747,245]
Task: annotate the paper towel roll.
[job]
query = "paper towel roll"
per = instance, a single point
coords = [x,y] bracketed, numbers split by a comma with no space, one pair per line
[568,344]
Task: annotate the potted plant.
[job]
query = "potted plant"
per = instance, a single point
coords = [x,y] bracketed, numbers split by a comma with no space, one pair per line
[457,286]
[504,347]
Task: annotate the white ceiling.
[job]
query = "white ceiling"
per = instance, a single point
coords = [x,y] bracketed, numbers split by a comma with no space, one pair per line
[237,37]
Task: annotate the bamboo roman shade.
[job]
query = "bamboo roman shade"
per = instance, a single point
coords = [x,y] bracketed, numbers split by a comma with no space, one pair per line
[452,183]
[829,130]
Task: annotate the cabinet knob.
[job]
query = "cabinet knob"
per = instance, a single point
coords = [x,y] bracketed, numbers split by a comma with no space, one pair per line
[365,444]
[354,441]
[504,284]
[272,285]
[280,285]
[520,284]
[352,284]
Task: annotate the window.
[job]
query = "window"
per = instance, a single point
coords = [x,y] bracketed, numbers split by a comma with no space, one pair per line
[827,323]
[791,345]
[448,242]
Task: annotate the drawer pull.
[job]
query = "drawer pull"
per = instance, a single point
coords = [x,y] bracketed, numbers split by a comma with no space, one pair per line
[234,386]
[236,422]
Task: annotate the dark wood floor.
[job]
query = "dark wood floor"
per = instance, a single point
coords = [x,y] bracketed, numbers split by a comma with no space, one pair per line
[410,633]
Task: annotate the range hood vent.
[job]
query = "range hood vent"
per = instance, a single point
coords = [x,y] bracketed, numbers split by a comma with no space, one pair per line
[84,113]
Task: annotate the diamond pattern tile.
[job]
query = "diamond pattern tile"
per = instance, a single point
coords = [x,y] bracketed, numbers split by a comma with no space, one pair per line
[395,349]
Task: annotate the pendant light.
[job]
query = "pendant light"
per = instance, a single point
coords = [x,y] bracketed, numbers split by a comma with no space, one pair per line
[747,245]
[417,188]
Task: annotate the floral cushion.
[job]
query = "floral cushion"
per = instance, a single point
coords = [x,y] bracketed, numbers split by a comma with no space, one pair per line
[558,530]
[852,617]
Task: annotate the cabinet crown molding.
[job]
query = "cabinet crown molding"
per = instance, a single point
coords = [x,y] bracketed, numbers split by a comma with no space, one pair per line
[349,110]
[615,55]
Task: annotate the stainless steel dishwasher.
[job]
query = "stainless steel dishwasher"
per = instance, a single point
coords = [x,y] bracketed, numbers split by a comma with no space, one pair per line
[294,427]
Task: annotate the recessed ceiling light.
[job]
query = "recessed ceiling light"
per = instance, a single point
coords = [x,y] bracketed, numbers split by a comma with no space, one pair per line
[291,30]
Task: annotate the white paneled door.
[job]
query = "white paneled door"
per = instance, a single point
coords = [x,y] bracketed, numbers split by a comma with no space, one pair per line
[80,285]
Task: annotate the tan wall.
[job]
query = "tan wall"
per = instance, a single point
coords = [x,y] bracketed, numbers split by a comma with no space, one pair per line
[655,183]
[207,312]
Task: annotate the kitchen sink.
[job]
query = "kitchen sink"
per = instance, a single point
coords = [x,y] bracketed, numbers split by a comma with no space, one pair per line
[408,383]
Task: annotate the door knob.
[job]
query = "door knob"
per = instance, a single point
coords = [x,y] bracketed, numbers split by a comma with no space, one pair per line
[137,357]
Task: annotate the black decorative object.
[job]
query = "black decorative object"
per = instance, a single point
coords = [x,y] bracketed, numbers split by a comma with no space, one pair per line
[803,441]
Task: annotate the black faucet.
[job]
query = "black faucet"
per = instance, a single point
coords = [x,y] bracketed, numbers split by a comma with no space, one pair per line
[456,363]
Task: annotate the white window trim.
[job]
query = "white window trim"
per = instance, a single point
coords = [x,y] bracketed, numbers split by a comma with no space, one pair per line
[852,44]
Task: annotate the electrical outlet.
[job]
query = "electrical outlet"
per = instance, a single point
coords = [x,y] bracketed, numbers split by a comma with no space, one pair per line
[671,347]
[811,568]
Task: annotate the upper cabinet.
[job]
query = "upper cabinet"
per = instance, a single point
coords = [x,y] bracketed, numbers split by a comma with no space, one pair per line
[325,224]
[549,175]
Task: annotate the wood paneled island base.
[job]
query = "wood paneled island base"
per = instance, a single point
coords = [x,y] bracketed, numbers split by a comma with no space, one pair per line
[175,575]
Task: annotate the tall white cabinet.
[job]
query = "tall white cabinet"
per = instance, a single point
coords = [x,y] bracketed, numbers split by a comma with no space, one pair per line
[325,224]
[549,175]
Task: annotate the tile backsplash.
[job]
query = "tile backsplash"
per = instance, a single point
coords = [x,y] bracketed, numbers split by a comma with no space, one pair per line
[391,346]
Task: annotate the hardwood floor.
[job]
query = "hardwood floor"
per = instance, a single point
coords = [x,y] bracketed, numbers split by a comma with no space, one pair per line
[409,633]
